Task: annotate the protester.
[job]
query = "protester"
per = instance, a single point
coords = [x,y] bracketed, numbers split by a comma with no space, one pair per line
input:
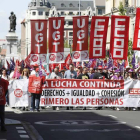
[4,75]
[63,73]
[56,75]
[84,75]
[35,66]
[91,71]
[17,73]
[70,74]
[79,70]
[3,90]
[24,75]
[35,88]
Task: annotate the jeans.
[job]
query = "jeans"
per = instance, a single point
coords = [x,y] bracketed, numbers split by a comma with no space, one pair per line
[35,97]
[2,115]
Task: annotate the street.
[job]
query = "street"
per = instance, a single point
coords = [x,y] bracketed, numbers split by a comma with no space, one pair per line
[103,124]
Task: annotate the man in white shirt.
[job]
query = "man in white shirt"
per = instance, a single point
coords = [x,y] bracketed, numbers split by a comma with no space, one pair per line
[56,74]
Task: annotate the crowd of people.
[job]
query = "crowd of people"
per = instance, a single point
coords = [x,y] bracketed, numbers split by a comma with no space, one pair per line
[73,72]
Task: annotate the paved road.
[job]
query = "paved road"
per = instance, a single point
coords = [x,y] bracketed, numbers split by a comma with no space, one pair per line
[73,125]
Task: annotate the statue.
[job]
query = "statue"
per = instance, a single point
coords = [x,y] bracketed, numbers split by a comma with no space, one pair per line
[126,3]
[12,19]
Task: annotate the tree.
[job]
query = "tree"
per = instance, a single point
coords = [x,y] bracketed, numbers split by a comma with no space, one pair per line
[66,44]
[122,10]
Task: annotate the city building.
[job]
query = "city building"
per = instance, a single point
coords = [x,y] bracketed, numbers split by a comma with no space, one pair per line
[43,9]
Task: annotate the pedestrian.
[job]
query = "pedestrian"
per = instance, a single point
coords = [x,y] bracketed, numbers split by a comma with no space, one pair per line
[70,74]
[5,77]
[63,73]
[84,75]
[35,66]
[79,70]
[35,88]
[100,75]
[17,73]
[24,75]
[3,90]
[91,71]
[56,75]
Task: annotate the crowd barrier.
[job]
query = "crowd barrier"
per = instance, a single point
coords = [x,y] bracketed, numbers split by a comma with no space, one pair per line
[67,92]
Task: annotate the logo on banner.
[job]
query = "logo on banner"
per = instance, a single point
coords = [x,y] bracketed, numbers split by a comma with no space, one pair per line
[60,57]
[85,55]
[18,93]
[134,91]
[43,58]
[76,55]
[34,58]
[36,83]
[1,91]
[52,57]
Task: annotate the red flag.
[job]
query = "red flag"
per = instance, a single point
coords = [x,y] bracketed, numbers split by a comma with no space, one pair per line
[68,61]
[136,41]
[119,37]
[80,38]
[56,40]
[38,41]
[8,65]
[115,63]
[27,60]
[98,35]
[126,63]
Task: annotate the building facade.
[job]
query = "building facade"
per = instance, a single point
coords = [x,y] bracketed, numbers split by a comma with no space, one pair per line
[44,9]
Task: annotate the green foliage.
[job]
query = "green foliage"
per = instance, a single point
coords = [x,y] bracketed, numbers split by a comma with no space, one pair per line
[66,44]
[122,10]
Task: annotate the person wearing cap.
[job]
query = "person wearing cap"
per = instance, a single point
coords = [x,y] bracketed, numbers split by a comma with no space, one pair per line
[35,88]
[130,74]
[100,74]
[34,70]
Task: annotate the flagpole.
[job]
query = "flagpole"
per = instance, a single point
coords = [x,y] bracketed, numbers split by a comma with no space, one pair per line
[79,7]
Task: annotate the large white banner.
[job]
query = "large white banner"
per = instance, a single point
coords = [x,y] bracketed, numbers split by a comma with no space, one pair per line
[65,92]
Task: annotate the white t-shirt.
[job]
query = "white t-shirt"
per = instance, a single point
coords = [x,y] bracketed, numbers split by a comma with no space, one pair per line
[5,77]
[11,74]
[33,72]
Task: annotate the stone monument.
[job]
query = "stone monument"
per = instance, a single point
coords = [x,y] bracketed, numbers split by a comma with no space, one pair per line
[12,40]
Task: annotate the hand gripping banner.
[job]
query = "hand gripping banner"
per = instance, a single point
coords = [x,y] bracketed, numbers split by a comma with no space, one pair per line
[136,41]
[119,37]
[38,41]
[80,38]
[98,35]
[56,40]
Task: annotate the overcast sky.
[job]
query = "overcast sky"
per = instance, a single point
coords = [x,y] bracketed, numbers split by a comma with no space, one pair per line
[19,7]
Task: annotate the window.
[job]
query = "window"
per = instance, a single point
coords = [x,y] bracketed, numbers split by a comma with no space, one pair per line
[70,13]
[34,13]
[40,13]
[80,5]
[53,4]
[99,11]
[70,23]
[70,33]
[78,13]
[47,13]
[71,5]
[34,3]
[63,5]
[62,13]
[41,3]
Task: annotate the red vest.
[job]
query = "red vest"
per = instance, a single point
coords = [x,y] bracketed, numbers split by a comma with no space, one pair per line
[3,89]
[35,84]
